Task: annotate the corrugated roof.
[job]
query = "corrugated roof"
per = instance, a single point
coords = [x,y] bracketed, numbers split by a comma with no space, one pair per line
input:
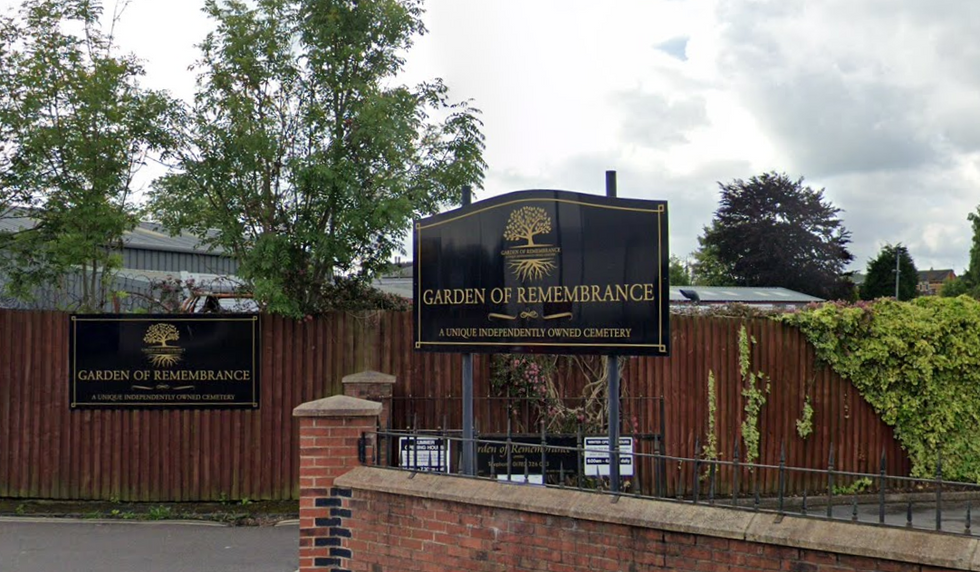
[398,286]
[742,295]
[152,236]
[147,235]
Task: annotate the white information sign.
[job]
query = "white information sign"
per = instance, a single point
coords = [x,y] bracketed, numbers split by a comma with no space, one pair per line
[424,454]
[531,479]
[596,456]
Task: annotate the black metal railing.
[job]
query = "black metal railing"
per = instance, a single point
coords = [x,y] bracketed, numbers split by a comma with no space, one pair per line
[568,461]
[492,414]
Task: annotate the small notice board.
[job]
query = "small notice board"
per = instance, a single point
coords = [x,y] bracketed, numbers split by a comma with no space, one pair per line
[596,456]
[430,454]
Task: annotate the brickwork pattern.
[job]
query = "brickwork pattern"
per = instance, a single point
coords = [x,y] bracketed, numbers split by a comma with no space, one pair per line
[393,532]
[374,520]
[328,449]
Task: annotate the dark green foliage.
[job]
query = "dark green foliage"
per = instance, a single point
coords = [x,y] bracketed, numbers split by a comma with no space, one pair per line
[880,281]
[302,153]
[972,274]
[773,231]
[74,128]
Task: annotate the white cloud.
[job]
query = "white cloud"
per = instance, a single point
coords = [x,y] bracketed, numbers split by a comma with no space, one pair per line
[876,101]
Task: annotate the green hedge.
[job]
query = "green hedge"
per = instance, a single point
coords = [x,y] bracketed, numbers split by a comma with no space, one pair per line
[918,364]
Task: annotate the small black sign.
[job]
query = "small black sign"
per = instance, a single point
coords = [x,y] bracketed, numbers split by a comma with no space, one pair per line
[544,272]
[525,455]
[174,361]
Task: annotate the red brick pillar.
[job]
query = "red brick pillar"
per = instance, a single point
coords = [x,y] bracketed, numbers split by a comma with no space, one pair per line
[373,386]
[330,431]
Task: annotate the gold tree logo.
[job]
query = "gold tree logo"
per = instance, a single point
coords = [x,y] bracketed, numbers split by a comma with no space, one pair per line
[162,355]
[531,260]
[525,223]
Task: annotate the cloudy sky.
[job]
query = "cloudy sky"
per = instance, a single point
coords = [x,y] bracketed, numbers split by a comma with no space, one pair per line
[876,101]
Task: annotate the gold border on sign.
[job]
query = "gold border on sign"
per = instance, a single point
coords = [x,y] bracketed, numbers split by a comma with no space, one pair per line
[74,365]
[419,227]
[659,209]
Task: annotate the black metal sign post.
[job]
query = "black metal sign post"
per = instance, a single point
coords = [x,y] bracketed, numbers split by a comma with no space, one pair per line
[612,372]
[469,446]
[543,271]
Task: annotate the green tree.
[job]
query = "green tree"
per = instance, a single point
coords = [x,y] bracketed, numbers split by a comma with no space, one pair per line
[880,280]
[75,126]
[969,282]
[972,274]
[773,231]
[955,287]
[303,158]
[707,269]
[679,275]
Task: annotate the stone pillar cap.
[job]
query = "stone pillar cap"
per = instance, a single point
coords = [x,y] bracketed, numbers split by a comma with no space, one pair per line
[338,406]
[369,376]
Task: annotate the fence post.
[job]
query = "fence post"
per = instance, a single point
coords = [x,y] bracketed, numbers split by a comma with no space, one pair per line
[333,434]
[374,386]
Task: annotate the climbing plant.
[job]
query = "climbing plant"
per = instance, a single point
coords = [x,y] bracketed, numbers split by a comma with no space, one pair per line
[755,396]
[804,425]
[710,448]
[918,364]
[532,379]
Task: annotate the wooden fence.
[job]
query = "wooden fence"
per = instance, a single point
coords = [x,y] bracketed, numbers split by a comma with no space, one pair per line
[49,451]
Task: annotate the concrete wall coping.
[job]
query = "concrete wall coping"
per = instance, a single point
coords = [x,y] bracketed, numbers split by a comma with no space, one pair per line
[338,406]
[902,545]
[369,376]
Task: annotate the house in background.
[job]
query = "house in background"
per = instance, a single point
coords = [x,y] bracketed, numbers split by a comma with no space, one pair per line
[931,281]
[149,255]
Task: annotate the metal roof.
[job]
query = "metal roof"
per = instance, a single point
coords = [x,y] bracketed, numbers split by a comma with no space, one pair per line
[152,236]
[742,295]
[397,286]
[146,235]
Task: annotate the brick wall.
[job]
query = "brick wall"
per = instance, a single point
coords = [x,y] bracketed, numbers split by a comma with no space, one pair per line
[369,519]
[330,432]
[401,532]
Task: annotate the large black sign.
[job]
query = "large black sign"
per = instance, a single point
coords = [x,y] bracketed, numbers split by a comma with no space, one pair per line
[209,361]
[545,272]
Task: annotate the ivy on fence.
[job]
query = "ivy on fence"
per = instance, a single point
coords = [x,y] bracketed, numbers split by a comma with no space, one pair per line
[918,364]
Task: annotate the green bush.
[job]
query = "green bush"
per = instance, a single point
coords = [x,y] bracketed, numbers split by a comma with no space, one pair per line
[918,364]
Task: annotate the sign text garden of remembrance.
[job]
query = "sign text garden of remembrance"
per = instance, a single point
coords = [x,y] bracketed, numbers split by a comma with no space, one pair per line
[544,272]
[170,361]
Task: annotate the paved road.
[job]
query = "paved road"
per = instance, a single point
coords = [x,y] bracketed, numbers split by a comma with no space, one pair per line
[80,546]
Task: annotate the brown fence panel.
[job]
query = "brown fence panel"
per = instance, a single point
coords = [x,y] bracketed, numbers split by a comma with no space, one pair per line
[48,451]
